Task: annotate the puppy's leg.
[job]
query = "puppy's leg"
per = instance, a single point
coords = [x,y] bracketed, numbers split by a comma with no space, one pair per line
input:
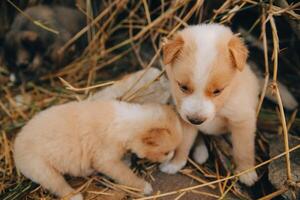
[41,172]
[121,173]
[243,141]
[182,152]
[200,153]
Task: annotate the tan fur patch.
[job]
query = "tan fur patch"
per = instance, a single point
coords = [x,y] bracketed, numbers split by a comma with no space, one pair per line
[29,36]
[228,72]
[154,136]
[238,52]
[221,75]
[79,138]
[171,49]
[182,69]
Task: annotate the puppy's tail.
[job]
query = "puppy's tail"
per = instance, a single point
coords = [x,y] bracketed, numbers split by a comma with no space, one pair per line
[288,100]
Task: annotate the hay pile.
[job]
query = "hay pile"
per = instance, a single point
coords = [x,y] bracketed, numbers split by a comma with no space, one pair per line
[126,35]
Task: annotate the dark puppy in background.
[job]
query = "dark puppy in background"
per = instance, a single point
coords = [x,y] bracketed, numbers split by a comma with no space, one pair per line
[30,51]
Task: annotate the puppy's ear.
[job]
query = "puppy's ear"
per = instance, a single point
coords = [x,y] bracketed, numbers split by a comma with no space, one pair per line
[10,46]
[29,36]
[238,52]
[172,48]
[10,42]
[154,137]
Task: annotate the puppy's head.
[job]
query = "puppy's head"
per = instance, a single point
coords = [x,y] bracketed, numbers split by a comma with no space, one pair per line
[201,63]
[24,53]
[23,49]
[30,54]
[158,141]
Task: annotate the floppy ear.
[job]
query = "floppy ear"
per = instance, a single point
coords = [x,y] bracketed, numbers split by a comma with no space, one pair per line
[154,136]
[10,41]
[29,36]
[10,45]
[238,52]
[172,48]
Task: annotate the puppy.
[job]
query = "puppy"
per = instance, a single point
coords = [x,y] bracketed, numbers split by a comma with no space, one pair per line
[31,51]
[79,138]
[215,92]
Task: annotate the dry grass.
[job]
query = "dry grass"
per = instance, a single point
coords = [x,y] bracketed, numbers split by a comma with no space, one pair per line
[124,36]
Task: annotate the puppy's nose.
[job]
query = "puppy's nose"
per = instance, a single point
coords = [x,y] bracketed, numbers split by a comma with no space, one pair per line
[23,64]
[196,120]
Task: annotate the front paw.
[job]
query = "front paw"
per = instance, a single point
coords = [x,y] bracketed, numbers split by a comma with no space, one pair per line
[147,189]
[171,168]
[200,154]
[249,178]
[77,197]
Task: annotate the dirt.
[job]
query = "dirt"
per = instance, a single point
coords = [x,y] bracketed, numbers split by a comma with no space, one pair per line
[166,183]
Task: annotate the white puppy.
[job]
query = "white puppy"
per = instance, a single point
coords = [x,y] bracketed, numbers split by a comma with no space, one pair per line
[215,91]
[79,138]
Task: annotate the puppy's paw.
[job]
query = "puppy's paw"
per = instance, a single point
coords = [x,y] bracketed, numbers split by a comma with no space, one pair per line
[171,168]
[249,178]
[148,188]
[77,197]
[200,154]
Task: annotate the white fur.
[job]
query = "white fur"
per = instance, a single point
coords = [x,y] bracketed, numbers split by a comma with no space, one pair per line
[235,112]
[288,100]
[249,178]
[157,92]
[208,41]
[79,138]
[77,197]
[131,112]
[171,168]
[200,154]
[196,104]
[148,189]
[132,115]
[215,126]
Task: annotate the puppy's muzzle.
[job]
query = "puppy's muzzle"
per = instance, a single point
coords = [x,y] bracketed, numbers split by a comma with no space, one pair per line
[23,64]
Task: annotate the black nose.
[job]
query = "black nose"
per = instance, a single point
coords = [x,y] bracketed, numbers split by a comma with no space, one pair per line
[195,120]
[23,65]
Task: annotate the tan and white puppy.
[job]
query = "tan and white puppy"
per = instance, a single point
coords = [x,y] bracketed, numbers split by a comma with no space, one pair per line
[215,92]
[79,138]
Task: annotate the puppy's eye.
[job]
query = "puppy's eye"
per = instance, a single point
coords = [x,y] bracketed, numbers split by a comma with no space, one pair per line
[166,153]
[217,92]
[184,88]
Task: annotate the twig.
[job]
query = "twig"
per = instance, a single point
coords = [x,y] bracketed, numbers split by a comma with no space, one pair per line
[228,189]
[205,194]
[70,87]
[275,86]
[266,60]
[38,23]
[274,194]
[220,180]
[179,196]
